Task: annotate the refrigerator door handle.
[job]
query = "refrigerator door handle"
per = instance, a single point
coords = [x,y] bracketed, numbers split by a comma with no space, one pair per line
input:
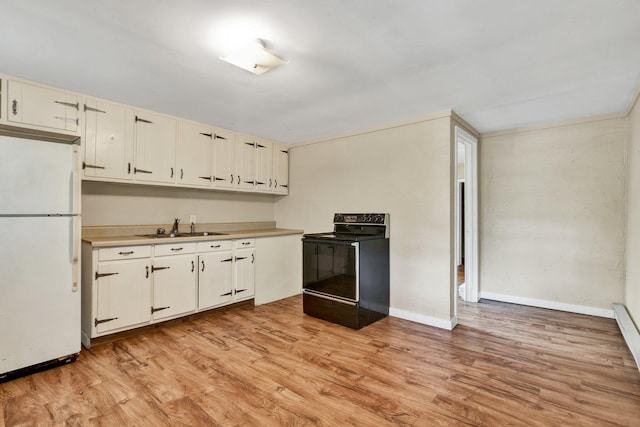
[75,238]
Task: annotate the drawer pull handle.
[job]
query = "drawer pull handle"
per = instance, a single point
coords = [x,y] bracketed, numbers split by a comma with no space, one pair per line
[215,246]
[99,275]
[176,249]
[96,322]
[126,253]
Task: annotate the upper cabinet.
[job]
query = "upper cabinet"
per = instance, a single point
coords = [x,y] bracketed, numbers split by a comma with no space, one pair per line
[224,160]
[246,163]
[42,108]
[124,144]
[155,142]
[108,140]
[264,165]
[194,154]
[280,168]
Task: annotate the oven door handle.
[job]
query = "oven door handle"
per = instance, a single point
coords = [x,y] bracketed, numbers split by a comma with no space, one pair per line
[329,298]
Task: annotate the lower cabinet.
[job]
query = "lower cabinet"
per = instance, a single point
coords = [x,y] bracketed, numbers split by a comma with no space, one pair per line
[132,286]
[227,272]
[174,280]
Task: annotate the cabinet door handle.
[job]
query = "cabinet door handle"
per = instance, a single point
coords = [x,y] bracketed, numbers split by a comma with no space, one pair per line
[147,269]
[154,269]
[140,119]
[251,144]
[232,178]
[270,183]
[171,173]
[193,267]
[227,260]
[205,177]
[275,184]
[237,291]
[154,309]
[128,168]
[252,182]
[99,275]
[69,104]
[86,165]
[210,135]
[259,183]
[14,107]
[259,145]
[239,258]
[202,265]
[96,322]
[136,170]
[284,151]
[215,178]
[227,294]
[253,258]
[93,109]
[216,136]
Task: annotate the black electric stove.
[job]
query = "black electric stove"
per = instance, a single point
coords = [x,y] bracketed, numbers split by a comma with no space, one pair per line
[346,271]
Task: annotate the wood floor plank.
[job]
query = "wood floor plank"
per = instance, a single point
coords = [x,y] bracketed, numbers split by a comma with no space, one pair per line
[272,365]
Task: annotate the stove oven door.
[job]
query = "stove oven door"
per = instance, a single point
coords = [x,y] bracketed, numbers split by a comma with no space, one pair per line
[330,268]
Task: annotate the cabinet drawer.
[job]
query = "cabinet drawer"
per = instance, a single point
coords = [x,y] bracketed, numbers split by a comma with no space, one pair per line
[214,246]
[174,249]
[124,252]
[244,243]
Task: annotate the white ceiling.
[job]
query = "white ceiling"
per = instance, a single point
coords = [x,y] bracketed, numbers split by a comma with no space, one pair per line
[353,64]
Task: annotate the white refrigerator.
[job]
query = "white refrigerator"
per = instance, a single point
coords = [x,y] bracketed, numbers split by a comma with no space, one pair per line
[39,266]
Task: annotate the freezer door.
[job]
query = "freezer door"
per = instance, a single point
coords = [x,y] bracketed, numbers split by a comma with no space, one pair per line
[39,311]
[37,177]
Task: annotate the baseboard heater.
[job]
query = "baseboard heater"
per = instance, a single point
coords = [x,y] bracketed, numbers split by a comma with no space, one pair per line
[629,331]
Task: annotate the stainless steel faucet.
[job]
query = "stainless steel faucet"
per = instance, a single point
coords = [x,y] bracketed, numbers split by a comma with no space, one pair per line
[174,228]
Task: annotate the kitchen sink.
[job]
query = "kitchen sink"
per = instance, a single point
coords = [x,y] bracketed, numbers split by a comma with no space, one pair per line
[169,236]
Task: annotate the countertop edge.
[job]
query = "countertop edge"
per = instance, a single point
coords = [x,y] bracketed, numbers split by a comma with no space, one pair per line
[108,241]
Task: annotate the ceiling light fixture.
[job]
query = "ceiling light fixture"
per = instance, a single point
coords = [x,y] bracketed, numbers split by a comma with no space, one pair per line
[254,58]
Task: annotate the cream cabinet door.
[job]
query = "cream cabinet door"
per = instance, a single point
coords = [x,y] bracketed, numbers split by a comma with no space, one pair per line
[43,107]
[194,154]
[215,279]
[174,285]
[280,168]
[108,142]
[264,165]
[244,274]
[155,139]
[123,294]
[246,163]
[224,170]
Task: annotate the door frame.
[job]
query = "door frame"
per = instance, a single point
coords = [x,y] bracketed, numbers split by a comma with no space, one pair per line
[471,254]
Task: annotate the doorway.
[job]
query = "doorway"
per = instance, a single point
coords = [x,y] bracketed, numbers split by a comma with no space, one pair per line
[466,216]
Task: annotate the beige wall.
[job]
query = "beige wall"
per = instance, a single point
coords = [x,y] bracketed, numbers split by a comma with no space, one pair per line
[632,291]
[124,204]
[404,170]
[552,213]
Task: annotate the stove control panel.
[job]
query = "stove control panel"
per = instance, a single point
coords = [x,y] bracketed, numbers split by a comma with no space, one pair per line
[369,218]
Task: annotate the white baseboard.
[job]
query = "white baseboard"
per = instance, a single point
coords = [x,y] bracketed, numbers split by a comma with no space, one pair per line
[629,331]
[554,305]
[425,320]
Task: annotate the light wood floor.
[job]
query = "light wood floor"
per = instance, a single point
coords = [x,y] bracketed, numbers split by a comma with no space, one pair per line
[272,365]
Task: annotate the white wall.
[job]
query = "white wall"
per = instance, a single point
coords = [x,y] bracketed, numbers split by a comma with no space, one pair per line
[404,170]
[127,204]
[632,290]
[552,214]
